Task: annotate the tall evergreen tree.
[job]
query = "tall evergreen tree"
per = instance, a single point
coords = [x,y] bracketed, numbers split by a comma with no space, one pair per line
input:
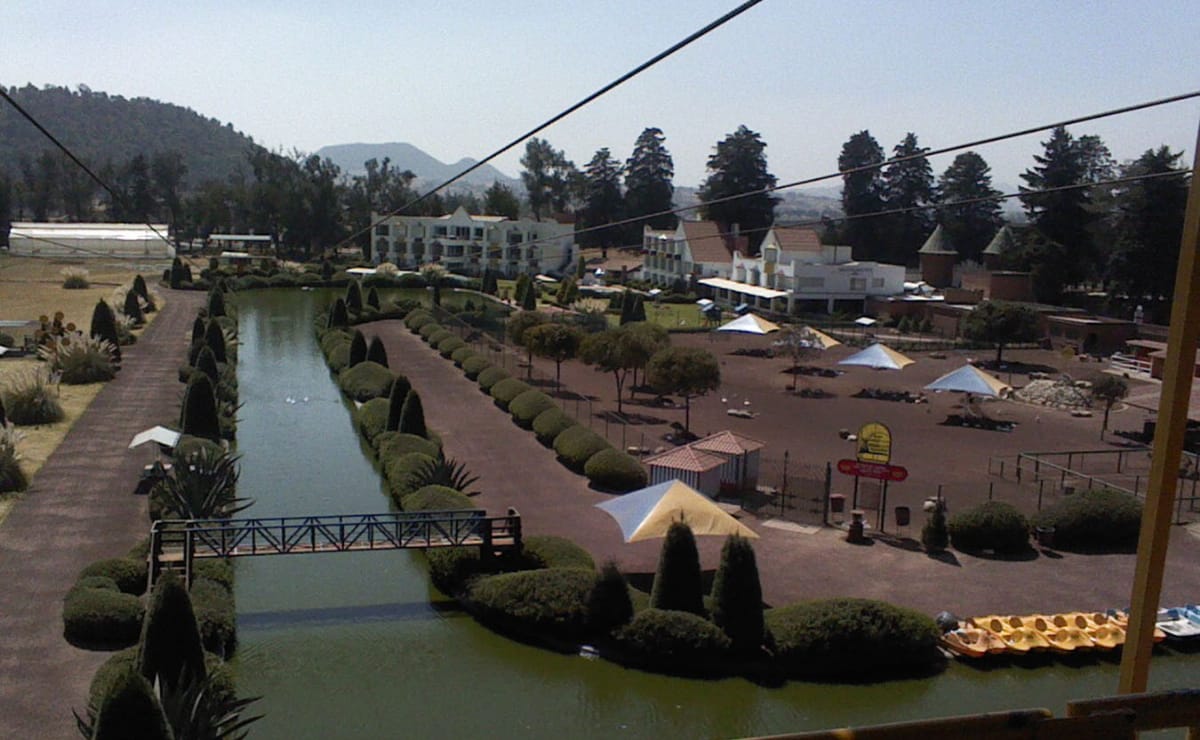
[216,303]
[739,165]
[198,413]
[737,596]
[862,195]
[677,581]
[908,185]
[548,178]
[170,651]
[602,201]
[971,226]
[529,299]
[214,337]
[412,416]
[400,389]
[104,326]
[648,183]
[499,200]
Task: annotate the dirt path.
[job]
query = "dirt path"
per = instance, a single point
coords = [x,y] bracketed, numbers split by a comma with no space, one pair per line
[80,508]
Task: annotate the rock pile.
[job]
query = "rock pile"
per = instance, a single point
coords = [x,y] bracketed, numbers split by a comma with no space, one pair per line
[1059,394]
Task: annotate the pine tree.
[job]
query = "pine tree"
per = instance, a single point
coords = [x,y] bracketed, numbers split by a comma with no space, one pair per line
[638,312]
[603,201]
[529,301]
[358,349]
[412,416]
[139,287]
[198,413]
[520,288]
[104,326]
[133,308]
[216,303]
[177,274]
[373,298]
[214,337]
[499,200]
[969,227]
[648,184]
[198,328]
[609,605]
[862,194]
[399,393]
[338,317]
[677,582]
[907,185]
[548,177]
[376,352]
[354,301]
[171,651]
[489,284]
[738,166]
[206,363]
[737,596]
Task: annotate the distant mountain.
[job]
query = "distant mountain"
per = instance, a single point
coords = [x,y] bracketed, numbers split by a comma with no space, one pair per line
[102,129]
[404,156]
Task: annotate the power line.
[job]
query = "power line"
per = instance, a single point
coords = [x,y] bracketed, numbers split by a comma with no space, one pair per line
[568,111]
[71,155]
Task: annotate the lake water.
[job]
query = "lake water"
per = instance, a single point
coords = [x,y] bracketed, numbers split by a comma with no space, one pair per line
[358,645]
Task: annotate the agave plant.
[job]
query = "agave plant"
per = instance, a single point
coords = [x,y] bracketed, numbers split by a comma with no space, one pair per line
[78,359]
[444,471]
[202,485]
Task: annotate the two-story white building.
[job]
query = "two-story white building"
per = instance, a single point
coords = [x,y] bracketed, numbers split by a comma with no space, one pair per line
[467,244]
[697,249]
[795,272]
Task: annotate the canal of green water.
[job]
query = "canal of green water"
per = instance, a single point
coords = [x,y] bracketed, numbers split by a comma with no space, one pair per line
[358,645]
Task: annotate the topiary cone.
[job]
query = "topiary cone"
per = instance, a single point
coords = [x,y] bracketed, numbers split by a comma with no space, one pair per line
[358,348]
[215,339]
[216,303]
[737,596]
[130,709]
[412,416]
[198,416]
[677,582]
[104,326]
[400,389]
[171,650]
[376,352]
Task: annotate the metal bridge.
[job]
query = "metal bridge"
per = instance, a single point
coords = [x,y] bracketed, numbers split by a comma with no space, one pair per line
[177,544]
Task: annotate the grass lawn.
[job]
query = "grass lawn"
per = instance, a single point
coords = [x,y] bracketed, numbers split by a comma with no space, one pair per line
[670,316]
[31,287]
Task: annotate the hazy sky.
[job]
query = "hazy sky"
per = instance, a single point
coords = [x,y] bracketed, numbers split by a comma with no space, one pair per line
[459,78]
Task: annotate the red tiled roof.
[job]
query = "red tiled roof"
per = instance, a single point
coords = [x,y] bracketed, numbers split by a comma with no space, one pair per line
[686,458]
[707,242]
[798,240]
[729,443]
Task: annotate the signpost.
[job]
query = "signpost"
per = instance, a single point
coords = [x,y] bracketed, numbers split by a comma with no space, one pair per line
[873,459]
[873,470]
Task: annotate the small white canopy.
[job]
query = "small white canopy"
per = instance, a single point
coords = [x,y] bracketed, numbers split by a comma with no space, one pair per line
[865,321]
[704,303]
[879,357]
[161,435]
[969,379]
[750,324]
[361,271]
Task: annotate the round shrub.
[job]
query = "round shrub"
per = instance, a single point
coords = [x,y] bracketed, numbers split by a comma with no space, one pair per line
[102,582]
[399,472]
[215,615]
[437,498]
[417,319]
[488,377]
[217,571]
[371,418]
[130,575]
[395,444]
[576,445]
[993,525]
[429,330]
[334,337]
[610,605]
[106,675]
[551,423]
[448,346]
[506,390]
[1100,519]
[438,336]
[99,618]
[452,568]
[461,355]
[614,470]
[673,641]
[852,639]
[365,381]
[474,365]
[549,551]
[549,602]
[527,406]
[339,358]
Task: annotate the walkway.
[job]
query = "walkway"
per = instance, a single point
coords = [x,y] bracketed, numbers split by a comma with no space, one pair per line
[80,508]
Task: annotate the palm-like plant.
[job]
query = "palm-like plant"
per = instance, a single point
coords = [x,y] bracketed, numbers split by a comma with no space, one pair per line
[444,471]
[202,485]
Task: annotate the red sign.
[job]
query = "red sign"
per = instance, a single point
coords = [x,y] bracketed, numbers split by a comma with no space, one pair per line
[893,473]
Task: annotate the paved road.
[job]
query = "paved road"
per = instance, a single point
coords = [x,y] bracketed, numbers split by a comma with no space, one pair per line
[80,508]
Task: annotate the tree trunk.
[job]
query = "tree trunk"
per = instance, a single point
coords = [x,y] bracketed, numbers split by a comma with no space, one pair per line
[620,383]
[687,414]
[999,350]
[558,376]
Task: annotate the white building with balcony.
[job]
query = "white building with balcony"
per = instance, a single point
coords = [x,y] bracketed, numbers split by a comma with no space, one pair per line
[794,272]
[467,244]
[697,249]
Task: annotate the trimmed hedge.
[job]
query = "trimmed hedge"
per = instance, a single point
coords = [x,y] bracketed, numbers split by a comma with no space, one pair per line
[474,365]
[852,639]
[365,381]
[416,320]
[451,344]
[614,470]
[462,354]
[452,568]
[371,418]
[216,571]
[551,423]
[215,615]
[993,525]
[527,406]
[437,498]
[506,390]
[100,618]
[549,551]
[1101,519]
[576,445]
[130,575]
[673,641]
[394,444]
[125,660]
[399,471]
[548,602]
[488,377]
[434,333]
[102,582]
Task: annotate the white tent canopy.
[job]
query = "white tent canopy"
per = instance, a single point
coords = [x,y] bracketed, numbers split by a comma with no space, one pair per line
[649,512]
[161,435]
[879,357]
[969,379]
[750,324]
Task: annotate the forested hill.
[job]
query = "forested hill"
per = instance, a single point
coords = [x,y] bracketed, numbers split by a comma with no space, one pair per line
[103,128]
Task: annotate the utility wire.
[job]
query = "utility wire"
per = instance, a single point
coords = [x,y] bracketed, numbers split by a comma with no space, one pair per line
[71,155]
[568,111]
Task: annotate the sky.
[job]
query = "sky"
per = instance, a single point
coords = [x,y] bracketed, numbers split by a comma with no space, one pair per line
[460,78]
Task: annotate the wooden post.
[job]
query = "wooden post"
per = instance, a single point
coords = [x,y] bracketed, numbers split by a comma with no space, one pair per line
[1168,447]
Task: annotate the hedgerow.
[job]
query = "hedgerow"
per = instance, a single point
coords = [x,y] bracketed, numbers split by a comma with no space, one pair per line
[490,376]
[365,381]
[547,602]
[473,366]
[548,551]
[993,525]
[673,641]
[614,470]
[576,445]
[551,423]
[1101,519]
[527,406]
[506,390]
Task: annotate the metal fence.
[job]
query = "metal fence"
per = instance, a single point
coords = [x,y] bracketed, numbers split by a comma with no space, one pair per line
[791,490]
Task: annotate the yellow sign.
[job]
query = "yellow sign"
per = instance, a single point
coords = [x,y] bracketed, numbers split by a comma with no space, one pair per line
[874,444]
